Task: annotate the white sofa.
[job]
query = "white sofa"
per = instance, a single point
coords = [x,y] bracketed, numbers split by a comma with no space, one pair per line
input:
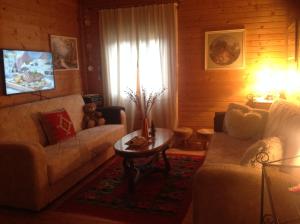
[226,192]
[32,173]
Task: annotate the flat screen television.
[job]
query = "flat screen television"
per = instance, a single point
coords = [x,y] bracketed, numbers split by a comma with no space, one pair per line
[27,71]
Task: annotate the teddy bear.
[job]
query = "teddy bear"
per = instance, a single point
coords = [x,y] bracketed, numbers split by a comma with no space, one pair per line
[92,118]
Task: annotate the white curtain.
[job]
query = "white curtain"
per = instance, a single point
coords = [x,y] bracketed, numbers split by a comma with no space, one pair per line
[139,50]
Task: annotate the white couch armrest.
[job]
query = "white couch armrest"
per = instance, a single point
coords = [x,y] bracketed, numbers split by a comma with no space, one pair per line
[23,175]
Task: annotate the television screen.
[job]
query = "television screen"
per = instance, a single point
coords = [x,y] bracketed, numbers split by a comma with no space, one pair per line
[27,71]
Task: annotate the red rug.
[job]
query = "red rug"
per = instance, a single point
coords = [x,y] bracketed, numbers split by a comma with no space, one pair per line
[157,199]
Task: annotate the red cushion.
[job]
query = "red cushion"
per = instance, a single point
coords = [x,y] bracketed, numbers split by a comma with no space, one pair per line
[57,125]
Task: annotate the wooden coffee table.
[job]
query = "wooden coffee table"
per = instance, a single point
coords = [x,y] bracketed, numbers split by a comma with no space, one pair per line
[151,152]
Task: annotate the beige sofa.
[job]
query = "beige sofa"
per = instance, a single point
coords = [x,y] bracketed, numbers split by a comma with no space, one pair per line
[32,173]
[225,191]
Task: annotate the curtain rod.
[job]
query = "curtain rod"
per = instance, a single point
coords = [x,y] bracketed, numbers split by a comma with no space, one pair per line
[128,5]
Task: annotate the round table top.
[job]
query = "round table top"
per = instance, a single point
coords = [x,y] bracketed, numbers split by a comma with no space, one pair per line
[162,138]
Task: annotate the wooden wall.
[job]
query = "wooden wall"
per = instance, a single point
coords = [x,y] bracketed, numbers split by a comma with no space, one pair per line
[26,24]
[201,92]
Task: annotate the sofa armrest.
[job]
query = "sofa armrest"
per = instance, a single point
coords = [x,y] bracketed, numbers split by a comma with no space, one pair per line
[226,193]
[219,121]
[123,119]
[23,175]
[112,114]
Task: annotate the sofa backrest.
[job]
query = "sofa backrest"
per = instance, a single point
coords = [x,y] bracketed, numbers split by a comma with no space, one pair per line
[22,122]
[284,119]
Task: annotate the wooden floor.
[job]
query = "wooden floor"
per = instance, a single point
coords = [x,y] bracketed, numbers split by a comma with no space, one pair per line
[48,216]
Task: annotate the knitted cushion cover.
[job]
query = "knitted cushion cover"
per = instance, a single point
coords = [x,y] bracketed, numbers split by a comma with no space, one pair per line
[244,122]
[57,125]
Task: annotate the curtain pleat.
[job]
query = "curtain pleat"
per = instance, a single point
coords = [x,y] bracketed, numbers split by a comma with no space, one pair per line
[139,50]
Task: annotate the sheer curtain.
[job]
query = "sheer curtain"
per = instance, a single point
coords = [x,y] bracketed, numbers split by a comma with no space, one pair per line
[139,50]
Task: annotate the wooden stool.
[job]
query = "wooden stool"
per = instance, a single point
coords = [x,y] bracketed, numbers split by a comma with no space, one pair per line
[182,134]
[205,134]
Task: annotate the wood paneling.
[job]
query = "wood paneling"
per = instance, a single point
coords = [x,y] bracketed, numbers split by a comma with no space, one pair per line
[89,23]
[27,24]
[201,92]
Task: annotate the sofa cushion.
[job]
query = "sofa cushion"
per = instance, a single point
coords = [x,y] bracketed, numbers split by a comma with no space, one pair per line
[27,116]
[99,138]
[226,149]
[244,122]
[57,125]
[265,150]
[63,158]
[243,125]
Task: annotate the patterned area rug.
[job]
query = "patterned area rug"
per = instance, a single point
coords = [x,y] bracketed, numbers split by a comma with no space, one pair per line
[157,198]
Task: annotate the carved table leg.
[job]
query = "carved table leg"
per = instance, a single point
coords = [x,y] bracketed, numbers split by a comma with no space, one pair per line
[131,177]
[125,167]
[167,163]
[130,170]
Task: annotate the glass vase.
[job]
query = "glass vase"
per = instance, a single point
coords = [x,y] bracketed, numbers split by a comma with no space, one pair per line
[145,128]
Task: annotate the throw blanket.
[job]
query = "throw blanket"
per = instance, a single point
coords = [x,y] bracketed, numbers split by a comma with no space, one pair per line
[111,114]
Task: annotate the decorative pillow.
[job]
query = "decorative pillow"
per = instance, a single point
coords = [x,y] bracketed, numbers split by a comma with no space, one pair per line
[265,150]
[57,125]
[292,148]
[244,122]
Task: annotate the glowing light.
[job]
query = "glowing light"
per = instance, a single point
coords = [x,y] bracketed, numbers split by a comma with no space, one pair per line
[131,67]
[273,80]
[150,66]
[269,82]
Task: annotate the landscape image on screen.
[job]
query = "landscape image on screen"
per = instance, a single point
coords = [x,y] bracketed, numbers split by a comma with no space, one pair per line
[27,71]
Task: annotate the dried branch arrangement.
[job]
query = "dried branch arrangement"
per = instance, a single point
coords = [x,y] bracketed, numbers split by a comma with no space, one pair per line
[146,101]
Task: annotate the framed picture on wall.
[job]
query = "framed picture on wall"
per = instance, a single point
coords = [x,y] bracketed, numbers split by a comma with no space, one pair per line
[65,52]
[225,49]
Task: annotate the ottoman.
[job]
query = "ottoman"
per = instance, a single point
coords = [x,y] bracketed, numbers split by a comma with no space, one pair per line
[182,136]
[205,134]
